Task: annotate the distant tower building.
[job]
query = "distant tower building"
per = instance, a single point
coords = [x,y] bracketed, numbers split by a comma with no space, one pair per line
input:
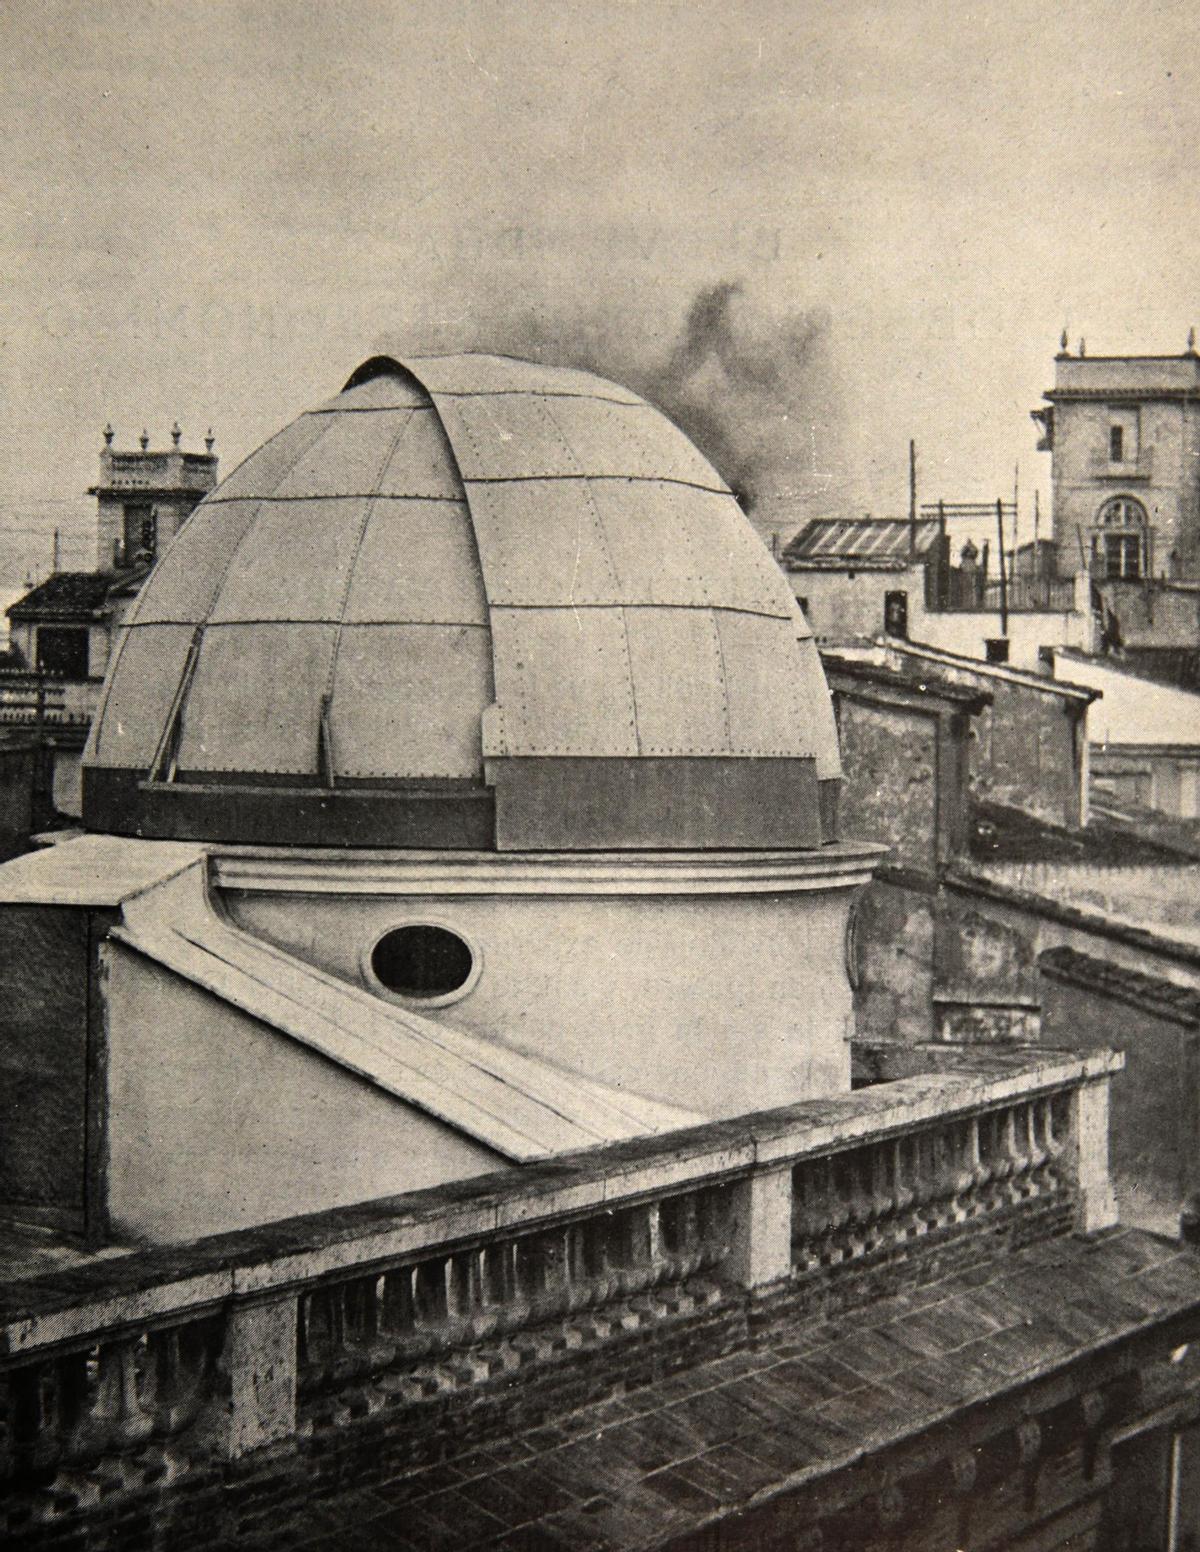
[64,629]
[1124,435]
[144,497]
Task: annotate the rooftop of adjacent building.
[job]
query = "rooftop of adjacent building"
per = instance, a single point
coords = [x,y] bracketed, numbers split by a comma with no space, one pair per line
[715,1443]
[1085,376]
[859,544]
[147,471]
[919,660]
[76,595]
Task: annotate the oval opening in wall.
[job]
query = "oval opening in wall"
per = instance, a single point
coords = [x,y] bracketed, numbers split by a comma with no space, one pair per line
[422,961]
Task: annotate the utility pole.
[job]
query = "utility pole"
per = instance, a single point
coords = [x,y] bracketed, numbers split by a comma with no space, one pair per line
[1003,572]
[912,499]
[54,565]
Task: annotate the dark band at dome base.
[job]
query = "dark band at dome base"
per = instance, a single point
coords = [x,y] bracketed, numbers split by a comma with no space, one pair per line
[543,804]
[125,803]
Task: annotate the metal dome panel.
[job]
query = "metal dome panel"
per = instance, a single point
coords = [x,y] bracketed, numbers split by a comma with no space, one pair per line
[389,391]
[193,567]
[254,704]
[766,716]
[351,457]
[667,722]
[712,555]
[143,678]
[316,541]
[406,702]
[585,706]
[417,563]
[421,463]
[543,543]
[260,474]
[473,373]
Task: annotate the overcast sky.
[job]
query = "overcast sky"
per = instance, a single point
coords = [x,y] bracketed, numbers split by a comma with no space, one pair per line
[215,211]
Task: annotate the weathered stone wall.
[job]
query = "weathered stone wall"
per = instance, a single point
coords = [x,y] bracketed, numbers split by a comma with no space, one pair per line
[1025,755]
[216,1122]
[894,931]
[1156,1100]
[889,786]
[43,1064]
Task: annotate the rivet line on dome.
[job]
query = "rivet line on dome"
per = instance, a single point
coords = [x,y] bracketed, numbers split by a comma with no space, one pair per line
[629,479]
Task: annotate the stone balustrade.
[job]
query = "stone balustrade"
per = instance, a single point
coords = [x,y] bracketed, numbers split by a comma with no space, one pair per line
[131,1373]
[891,1192]
[461,1314]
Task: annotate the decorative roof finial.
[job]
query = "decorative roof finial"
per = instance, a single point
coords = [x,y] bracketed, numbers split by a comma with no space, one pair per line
[176,433]
[109,433]
[1082,346]
[1192,341]
[1064,343]
[144,439]
[209,440]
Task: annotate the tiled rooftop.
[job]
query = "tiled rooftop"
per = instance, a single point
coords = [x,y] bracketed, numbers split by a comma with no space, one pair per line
[731,1434]
[868,542]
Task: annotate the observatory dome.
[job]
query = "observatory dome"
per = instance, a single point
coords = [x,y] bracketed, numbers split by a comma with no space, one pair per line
[471,602]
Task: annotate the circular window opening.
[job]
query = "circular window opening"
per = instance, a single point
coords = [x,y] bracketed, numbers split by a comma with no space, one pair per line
[422,961]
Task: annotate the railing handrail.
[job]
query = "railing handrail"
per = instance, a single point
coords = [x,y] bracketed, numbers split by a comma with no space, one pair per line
[145,1287]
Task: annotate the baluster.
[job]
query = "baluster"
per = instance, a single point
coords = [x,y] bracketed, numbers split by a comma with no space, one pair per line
[715,1227]
[678,1236]
[923,1175]
[853,1197]
[653,1240]
[429,1294]
[830,1210]
[902,1190]
[883,1193]
[1017,1184]
[1034,1151]
[910,1171]
[1051,1144]
[938,1177]
[602,1253]
[579,1290]
[808,1214]
[114,1416]
[49,1399]
[962,1163]
[183,1364]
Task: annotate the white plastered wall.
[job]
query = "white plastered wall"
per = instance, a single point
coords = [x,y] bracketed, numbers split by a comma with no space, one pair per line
[217,1122]
[718,1003]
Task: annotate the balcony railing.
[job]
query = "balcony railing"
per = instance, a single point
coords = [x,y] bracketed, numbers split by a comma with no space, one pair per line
[28,699]
[971,592]
[144,1372]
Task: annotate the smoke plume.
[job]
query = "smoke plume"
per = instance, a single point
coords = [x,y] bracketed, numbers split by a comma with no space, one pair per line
[752,385]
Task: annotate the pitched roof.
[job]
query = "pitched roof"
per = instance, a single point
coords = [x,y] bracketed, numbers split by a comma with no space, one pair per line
[66,592]
[869,543]
[73,593]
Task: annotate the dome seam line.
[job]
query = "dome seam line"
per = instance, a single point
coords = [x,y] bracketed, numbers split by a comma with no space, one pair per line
[598,524]
[339,623]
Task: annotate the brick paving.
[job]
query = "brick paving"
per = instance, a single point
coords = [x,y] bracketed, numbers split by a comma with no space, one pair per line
[732,1433]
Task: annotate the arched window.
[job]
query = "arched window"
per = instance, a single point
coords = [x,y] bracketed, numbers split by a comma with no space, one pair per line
[1119,539]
